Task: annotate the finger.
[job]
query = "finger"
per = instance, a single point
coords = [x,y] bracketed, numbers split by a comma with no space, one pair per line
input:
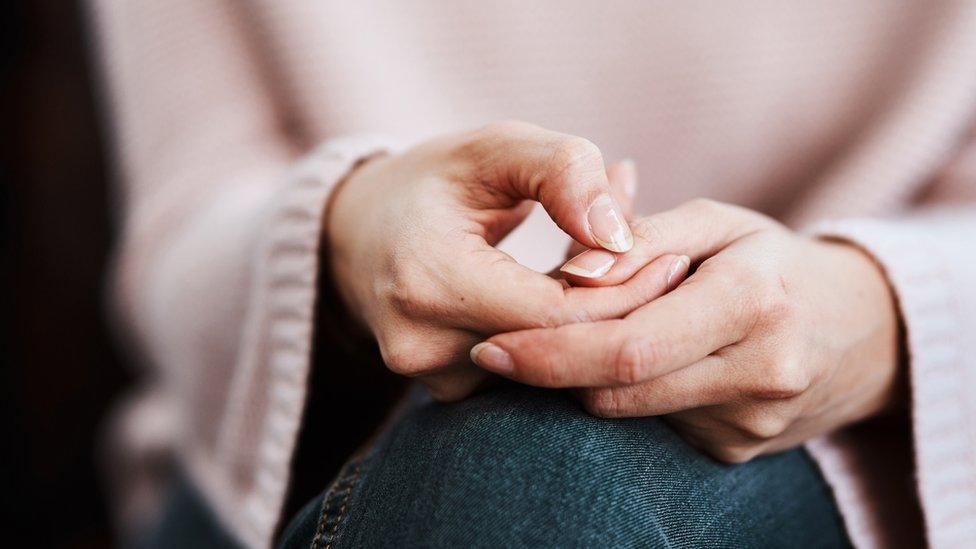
[574,249]
[703,429]
[669,333]
[698,229]
[707,382]
[623,183]
[455,382]
[437,356]
[506,296]
[413,349]
[564,173]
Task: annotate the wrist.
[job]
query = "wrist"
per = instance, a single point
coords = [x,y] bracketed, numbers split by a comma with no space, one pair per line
[346,199]
[884,351]
[338,245]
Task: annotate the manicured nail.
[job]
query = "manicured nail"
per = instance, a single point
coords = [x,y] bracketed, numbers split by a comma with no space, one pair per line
[608,225]
[629,177]
[677,269]
[493,358]
[590,264]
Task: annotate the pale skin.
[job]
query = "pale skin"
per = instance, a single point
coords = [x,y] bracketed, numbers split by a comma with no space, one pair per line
[773,339]
[411,240]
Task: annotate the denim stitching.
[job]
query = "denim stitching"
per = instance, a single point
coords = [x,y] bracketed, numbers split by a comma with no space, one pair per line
[343,484]
[324,510]
[345,500]
[323,513]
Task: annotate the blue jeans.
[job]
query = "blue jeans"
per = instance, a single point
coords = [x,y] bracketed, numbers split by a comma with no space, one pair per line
[518,466]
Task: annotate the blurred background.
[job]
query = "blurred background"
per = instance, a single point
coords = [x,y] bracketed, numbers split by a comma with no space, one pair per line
[60,372]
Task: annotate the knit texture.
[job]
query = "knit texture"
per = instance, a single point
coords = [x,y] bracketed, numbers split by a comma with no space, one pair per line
[235,119]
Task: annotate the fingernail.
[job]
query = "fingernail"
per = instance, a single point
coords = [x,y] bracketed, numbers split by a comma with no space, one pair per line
[493,358]
[590,264]
[678,268]
[608,226]
[630,177]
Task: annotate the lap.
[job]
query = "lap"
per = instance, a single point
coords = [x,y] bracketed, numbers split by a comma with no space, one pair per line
[518,466]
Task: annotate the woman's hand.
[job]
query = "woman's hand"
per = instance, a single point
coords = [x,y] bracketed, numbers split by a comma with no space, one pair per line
[411,245]
[774,339]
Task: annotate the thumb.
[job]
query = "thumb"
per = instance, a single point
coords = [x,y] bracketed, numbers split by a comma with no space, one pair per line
[697,229]
[563,172]
[623,185]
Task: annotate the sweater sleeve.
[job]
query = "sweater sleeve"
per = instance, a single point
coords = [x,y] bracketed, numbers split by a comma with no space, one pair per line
[216,265]
[929,255]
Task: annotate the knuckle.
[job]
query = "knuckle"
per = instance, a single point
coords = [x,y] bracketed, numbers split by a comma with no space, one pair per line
[782,379]
[446,390]
[749,276]
[743,219]
[549,309]
[407,356]
[728,453]
[735,282]
[551,374]
[633,360]
[399,358]
[573,155]
[480,145]
[559,368]
[763,426]
[504,128]
[552,311]
[772,302]
[743,283]
[705,206]
[759,289]
[410,290]
[752,273]
[648,229]
[774,305]
[548,369]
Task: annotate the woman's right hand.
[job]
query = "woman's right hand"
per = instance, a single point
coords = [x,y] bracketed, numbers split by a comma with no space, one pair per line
[411,242]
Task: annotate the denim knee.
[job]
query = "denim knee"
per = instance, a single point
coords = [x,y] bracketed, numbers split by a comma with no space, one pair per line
[527,467]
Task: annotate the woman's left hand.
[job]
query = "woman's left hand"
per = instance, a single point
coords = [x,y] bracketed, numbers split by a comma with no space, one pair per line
[774,339]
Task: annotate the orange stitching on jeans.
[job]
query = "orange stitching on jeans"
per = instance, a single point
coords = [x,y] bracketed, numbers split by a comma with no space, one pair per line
[328,500]
[320,529]
[345,500]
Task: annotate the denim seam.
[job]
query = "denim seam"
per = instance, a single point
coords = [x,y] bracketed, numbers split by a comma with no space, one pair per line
[328,504]
[323,512]
[345,500]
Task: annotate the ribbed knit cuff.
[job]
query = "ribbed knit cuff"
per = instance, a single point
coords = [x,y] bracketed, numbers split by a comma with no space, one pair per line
[917,264]
[280,326]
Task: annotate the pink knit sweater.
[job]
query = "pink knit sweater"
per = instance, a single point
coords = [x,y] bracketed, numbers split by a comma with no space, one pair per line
[235,118]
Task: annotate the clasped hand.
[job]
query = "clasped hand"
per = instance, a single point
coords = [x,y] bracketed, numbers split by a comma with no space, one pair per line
[772,339]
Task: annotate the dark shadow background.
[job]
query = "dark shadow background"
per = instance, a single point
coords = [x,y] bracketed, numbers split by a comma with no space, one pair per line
[60,371]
